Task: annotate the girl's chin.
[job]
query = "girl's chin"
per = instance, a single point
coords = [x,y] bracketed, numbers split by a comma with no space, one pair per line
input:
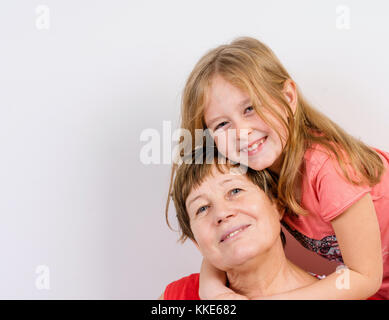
[257,165]
[252,165]
[261,164]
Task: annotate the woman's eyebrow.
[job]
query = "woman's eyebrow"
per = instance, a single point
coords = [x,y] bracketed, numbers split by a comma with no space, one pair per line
[234,180]
[194,199]
[203,195]
[225,181]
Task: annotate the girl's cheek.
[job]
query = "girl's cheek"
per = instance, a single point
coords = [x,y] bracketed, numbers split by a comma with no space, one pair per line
[227,145]
[224,146]
[221,140]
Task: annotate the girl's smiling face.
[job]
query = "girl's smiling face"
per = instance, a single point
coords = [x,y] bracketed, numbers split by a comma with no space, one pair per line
[239,132]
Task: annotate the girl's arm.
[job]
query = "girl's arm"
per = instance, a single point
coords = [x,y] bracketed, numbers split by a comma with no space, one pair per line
[213,284]
[359,240]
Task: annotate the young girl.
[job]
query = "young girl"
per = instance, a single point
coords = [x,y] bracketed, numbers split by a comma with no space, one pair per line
[335,189]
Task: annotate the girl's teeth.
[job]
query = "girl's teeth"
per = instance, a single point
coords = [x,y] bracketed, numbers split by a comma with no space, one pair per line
[254,146]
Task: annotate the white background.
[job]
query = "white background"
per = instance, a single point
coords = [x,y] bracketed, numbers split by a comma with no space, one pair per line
[75,98]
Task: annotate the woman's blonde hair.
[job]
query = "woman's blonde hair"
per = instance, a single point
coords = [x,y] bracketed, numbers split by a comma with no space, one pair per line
[252,67]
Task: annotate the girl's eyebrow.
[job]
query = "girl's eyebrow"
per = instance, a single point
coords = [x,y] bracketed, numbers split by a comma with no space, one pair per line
[245,101]
[240,104]
[213,121]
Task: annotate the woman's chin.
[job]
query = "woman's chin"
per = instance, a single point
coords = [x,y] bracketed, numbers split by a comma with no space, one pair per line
[240,257]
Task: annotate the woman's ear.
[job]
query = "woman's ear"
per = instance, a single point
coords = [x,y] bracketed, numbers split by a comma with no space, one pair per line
[278,209]
[195,243]
[282,212]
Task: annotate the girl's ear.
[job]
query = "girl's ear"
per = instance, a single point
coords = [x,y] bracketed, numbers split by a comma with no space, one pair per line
[290,93]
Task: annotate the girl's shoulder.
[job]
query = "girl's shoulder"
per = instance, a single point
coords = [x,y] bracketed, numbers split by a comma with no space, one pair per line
[315,157]
[383,155]
[317,152]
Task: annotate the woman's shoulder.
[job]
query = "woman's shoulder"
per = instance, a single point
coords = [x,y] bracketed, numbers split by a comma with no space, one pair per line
[186,288]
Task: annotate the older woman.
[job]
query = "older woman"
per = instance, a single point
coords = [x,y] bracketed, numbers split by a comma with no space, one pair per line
[232,217]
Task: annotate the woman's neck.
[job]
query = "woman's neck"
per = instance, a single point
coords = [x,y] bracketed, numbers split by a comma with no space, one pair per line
[268,274]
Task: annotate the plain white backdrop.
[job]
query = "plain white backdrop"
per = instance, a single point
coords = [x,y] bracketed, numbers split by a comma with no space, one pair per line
[77,90]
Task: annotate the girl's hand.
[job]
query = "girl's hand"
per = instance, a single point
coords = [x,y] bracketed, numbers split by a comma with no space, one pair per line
[213,284]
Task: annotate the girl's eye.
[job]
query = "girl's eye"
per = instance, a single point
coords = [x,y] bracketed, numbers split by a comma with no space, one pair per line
[201,209]
[248,109]
[220,125]
[235,191]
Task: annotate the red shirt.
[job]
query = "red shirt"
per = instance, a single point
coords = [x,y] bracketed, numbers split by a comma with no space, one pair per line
[186,288]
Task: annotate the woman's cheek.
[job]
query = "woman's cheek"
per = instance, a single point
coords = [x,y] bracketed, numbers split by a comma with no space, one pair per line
[203,234]
[253,208]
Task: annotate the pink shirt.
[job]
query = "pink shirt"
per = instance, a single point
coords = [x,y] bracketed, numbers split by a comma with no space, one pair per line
[325,195]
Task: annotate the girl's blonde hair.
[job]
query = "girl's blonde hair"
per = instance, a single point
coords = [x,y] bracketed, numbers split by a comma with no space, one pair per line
[252,67]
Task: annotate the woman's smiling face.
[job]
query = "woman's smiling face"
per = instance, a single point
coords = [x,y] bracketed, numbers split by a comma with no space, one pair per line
[232,219]
[239,132]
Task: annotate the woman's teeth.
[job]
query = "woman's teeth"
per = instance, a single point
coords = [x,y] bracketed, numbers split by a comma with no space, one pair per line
[234,233]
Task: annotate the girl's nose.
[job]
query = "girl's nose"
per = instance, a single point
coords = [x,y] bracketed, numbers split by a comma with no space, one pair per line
[243,129]
[243,132]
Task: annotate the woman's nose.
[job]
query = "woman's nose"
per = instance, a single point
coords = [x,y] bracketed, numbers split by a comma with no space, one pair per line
[223,213]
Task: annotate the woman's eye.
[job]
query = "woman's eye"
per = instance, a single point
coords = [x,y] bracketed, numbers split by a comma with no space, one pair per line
[220,125]
[235,191]
[248,109]
[201,209]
